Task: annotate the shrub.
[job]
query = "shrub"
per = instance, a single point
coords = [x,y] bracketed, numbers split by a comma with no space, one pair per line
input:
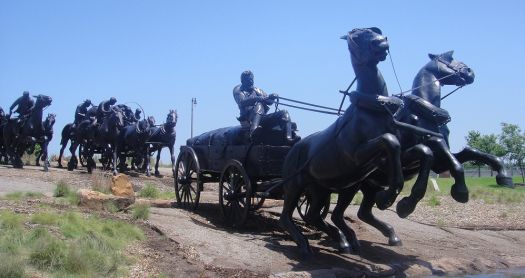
[62,189]
[10,220]
[141,211]
[149,191]
[101,182]
[48,254]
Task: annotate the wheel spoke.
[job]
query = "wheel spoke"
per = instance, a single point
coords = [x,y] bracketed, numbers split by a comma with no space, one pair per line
[193,189]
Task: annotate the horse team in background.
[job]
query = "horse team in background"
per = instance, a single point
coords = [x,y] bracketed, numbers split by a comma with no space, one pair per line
[113,131]
[375,146]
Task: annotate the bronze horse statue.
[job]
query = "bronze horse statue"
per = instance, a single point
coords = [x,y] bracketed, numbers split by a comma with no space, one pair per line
[48,124]
[92,136]
[19,135]
[358,143]
[132,142]
[444,70]
[421,113]
[163,136]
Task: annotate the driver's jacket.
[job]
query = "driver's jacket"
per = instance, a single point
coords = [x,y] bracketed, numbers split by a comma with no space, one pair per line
[250,102]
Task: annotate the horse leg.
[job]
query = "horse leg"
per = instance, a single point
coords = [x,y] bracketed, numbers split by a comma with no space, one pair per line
[62,148]
[292,193]
[365,214]
[495,163]
[43,155]
[313,217]
[157,173]
[422,154]
[444,158]
[343,201]
[385,144]
[172,156]
[37,158]
[147,157]
[114,164]
[72,164]
[63,144]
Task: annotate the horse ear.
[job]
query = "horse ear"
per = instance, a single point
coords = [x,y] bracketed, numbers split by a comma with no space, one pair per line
[432,56]
[448,55]
[376,30]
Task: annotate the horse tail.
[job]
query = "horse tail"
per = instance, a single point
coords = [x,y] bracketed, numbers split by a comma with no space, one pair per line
[66,132]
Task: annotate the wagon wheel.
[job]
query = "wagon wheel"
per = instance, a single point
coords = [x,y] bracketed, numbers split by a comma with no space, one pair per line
[187,179]
[235,193]
[257,202]
[303,205]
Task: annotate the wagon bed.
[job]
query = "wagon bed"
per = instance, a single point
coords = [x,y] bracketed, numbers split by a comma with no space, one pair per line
[247,172]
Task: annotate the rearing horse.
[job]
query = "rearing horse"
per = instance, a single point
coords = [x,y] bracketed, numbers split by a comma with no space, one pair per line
[444,70]
[358,143]
[441,70]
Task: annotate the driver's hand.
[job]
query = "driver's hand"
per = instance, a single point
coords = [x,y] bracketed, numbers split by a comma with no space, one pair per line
[273,96]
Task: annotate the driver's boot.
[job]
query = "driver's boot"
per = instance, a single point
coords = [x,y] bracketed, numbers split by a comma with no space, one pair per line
[255,128]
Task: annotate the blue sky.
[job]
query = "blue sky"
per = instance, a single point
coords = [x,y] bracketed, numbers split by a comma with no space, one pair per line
[162,53]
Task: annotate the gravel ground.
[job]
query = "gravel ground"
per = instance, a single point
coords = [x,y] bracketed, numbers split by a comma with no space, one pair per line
[451,238]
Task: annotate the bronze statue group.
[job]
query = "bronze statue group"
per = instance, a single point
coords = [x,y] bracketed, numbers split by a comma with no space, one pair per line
[378,143]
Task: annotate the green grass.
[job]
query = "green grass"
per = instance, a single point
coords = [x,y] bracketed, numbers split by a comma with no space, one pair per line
[18,196]
[140,211]
[167,195]
[63,190]
[433,201]
[149,191]
[484,188]
[11,266]
[64,244]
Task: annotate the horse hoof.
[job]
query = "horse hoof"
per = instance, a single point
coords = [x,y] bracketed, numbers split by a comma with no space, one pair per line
[345,250]
[504,180]
[382,200]
[458,194]
[394,241]
[404,207]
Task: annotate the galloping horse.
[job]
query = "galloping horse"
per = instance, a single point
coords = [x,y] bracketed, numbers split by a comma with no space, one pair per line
[107,137]
[344,154]
[92,136]
[416,111]
[132,142]
[19,135]
[68,133]
[444,70]
[163,136]
[48,133]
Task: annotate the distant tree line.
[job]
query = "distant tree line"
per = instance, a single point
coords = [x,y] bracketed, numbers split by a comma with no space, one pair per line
[509,144]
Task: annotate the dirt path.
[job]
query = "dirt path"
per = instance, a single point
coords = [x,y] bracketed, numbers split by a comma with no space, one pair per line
[262,248]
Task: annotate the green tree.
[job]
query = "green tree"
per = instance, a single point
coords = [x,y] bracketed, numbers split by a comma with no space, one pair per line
[513,140]
[485,143]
